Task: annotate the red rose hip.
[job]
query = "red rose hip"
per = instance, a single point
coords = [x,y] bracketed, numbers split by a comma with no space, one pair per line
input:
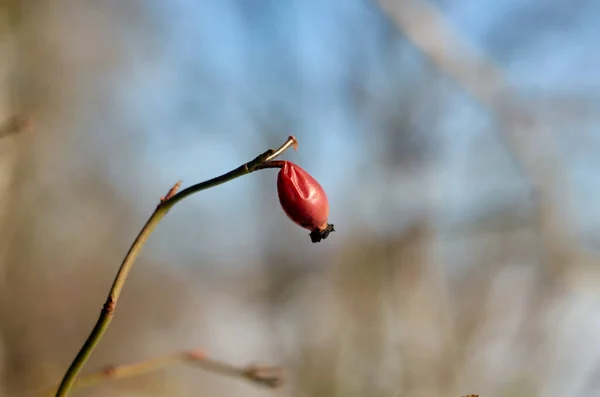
[303,200]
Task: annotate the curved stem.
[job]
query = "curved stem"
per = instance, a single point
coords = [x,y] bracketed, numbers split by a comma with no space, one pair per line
[271,164]
[161,210]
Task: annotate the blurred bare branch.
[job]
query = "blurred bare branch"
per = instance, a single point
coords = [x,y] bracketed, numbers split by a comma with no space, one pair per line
[529,141]
[429,31]
[265,375]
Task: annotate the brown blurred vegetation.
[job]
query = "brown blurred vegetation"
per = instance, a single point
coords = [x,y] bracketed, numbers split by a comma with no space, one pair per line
[378,316]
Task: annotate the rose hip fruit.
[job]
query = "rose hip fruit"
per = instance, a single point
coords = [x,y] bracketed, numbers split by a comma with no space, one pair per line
[303,200]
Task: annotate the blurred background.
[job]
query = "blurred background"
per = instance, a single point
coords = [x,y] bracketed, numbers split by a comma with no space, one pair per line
[456,141]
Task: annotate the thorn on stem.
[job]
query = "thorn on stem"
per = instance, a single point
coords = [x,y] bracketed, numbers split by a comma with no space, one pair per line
[171,192]
[109,306]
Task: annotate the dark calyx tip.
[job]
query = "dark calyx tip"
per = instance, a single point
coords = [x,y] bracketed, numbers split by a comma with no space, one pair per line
[318,235]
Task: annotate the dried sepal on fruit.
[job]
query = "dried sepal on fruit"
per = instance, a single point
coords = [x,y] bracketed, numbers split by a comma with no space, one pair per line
[303,200]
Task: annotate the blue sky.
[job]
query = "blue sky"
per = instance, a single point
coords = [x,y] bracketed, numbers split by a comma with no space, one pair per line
[204,78]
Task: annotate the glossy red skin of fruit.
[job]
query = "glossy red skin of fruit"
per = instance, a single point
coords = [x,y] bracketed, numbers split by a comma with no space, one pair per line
[302,198]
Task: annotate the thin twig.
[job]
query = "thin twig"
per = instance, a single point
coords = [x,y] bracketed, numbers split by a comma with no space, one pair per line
[431,33]
[269,376]
[161,210]
[530,142]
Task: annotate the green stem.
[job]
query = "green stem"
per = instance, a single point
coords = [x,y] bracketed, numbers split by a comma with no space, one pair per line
[161,210]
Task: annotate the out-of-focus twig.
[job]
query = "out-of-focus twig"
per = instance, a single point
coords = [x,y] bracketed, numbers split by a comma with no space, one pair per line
[430,32]
[265,375]
[531,144]
[530,141]
[164,206]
